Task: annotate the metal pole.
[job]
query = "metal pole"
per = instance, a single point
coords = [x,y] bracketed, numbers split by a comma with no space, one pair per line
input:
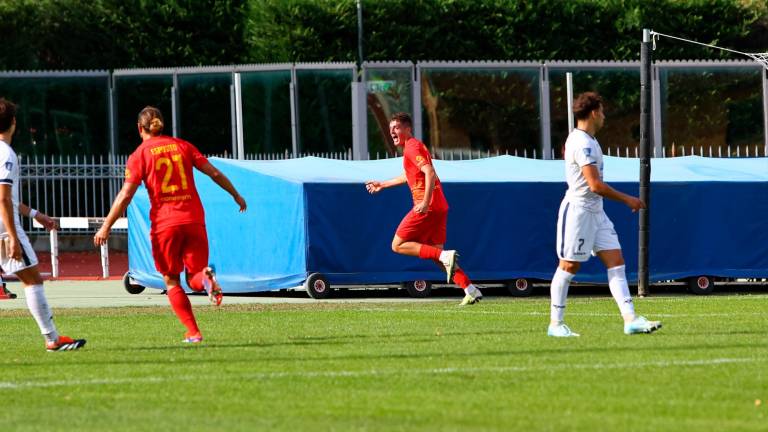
[360,35]
[656,140]
[765,110]
[239,117]
[294,97]
[569,91]
[546,135]
[233,119]
[175,105]
[54,254]
[112,117]
[105,260]
[645,164]
[416,97]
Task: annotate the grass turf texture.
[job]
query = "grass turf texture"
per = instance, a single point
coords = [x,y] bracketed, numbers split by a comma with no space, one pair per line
[404,366]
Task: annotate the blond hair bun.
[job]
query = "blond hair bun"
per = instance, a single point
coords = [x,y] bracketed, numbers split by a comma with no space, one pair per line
[155,126]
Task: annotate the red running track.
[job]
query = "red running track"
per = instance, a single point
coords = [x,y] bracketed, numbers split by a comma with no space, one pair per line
[84,265]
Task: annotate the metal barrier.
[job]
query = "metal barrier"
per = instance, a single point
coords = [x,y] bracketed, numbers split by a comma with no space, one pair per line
[70,186]
[80,223]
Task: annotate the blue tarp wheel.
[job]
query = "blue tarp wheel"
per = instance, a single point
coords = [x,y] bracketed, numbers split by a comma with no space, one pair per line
[520,287]
[701,285]
[130,285]
[317,286]
[418,288]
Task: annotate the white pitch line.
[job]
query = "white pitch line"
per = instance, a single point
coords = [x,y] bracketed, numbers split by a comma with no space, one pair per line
[17,385]
[542,313]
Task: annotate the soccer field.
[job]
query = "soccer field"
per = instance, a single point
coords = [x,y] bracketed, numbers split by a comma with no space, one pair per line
[395,366]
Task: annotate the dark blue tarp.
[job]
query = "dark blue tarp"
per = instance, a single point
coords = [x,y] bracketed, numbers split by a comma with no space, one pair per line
[708,217]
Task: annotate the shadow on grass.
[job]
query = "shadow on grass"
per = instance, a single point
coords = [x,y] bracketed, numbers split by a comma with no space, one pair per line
[565,349]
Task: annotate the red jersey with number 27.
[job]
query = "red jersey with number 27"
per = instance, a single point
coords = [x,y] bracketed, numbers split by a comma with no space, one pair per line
[415,156]
[165,165]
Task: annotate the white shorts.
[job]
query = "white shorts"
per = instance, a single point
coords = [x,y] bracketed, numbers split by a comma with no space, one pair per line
[28,257]
[581,232]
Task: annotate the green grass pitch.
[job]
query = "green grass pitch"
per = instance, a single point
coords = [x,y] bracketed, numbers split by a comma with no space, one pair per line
[395,366]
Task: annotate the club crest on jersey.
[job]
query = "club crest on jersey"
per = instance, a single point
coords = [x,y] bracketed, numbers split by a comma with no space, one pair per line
[9,166]
[127,173]
[587,151]
[419,160]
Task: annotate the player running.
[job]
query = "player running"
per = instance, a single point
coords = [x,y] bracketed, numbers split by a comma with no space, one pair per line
[178,235]
[16,253]
[582,225]
[422,232]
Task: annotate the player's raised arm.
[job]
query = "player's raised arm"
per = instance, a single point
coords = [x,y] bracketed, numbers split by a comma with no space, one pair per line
[220,179]
[121,202]
[375,186]
[601,188]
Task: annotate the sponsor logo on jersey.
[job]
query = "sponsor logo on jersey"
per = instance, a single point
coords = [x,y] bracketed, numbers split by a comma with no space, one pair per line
[9,166]
[127,173]
[419,160]
[587,151]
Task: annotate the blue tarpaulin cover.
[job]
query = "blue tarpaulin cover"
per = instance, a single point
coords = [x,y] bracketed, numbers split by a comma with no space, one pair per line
[708,217]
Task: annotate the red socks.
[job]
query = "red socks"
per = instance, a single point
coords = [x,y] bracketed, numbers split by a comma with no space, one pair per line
[461,279]
[429,252]
[196,282]
[183,308]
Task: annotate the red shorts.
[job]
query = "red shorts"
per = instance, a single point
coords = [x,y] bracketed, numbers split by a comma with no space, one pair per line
[428,228]
[180,246]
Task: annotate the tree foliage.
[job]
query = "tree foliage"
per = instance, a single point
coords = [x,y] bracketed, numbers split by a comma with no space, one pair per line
[325,30]
[108,34]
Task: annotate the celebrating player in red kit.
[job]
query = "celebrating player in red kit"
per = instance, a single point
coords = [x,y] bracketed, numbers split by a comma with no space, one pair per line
[422,232]
[178,235]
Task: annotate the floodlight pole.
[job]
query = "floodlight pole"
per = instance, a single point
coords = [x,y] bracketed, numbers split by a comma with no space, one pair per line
[645,164]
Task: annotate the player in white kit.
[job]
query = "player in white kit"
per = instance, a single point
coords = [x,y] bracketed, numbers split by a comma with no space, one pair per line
[583,228]
[16,253]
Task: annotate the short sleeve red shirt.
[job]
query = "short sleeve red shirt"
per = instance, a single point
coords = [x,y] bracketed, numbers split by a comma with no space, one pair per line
[165,165]
[415,156]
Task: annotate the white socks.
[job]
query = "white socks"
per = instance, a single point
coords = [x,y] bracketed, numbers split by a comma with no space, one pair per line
[559,292]
[444,254]
[472,290]
[617,281]
[38,306]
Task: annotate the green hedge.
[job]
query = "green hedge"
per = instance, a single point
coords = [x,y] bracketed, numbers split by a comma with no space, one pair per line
[325,30]
[104,34]
[99,34]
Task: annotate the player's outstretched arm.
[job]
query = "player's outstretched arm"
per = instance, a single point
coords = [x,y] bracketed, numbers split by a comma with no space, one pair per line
[121,202]
[601,188]
[220,179]
[43,219]
[375,186]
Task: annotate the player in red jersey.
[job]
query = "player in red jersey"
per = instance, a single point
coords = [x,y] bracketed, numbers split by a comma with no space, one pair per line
[422,232]
[178,234]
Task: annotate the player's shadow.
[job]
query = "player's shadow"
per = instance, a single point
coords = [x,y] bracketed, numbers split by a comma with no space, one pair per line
[320,341]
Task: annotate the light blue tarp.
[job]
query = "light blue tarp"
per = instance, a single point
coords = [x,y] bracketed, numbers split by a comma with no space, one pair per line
[708,217]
